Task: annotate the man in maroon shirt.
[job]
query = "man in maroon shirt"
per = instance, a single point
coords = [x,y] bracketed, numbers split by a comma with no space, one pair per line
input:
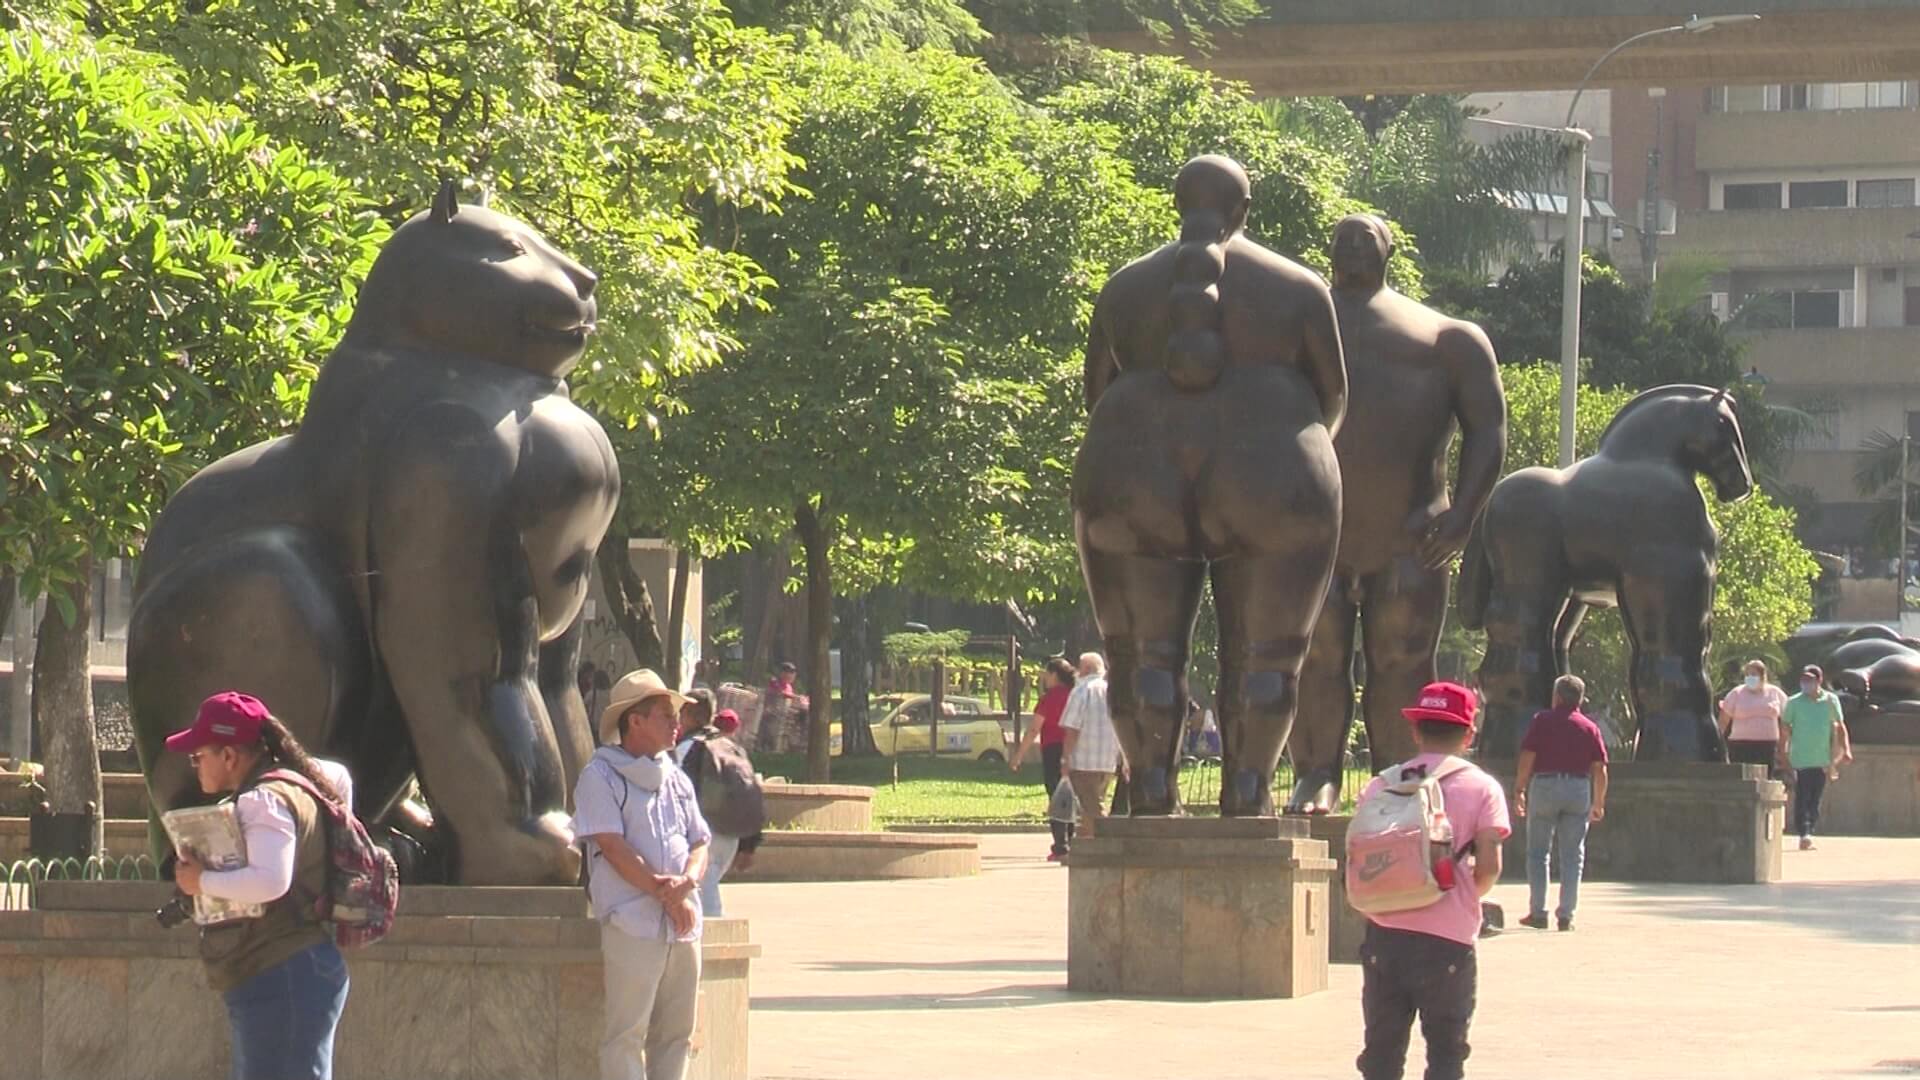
[1561,788]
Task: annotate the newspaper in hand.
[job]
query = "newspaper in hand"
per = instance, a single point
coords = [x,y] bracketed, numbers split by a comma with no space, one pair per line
[212,836]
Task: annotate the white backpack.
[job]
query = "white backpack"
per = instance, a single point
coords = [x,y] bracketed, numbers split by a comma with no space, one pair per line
[1398,834]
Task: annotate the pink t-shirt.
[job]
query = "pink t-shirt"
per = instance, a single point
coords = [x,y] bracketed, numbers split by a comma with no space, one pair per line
[1756,713]
[1474,801]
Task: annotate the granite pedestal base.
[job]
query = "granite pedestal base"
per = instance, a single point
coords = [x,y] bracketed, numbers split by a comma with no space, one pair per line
[1198,907]
[471,983]
[818,807]
[1680,822]
[1877,795]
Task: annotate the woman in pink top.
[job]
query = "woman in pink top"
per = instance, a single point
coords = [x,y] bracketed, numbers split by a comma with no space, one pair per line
[1750,718]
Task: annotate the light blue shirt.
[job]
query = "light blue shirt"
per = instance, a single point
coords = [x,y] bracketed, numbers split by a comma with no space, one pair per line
[650,803]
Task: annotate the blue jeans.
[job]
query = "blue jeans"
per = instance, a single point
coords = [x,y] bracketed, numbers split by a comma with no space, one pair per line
[720,852]
[283,1018]
[1557,808]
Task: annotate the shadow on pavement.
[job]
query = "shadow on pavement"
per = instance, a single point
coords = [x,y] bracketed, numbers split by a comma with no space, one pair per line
[939,965]
[999,997]
[1880,912]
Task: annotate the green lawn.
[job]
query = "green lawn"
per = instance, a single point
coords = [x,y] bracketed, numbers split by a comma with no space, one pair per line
[951,791]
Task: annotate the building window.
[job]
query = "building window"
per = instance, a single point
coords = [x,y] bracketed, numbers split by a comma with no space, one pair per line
[1794,309]
[1913,305]
[1599,185]
[1816,194]
[1883,192]
[1751,197]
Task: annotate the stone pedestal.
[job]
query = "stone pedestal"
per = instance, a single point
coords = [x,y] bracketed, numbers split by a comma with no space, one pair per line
[1199,907]
[862,856]
[1675,822]
[819,807]
[473,982]
[1877,795]
[1346,927]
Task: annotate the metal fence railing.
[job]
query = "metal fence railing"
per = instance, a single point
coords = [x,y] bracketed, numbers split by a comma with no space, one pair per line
[1200,785]
[19,879]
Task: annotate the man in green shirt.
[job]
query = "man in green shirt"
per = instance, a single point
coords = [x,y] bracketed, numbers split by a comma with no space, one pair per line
[1813,743]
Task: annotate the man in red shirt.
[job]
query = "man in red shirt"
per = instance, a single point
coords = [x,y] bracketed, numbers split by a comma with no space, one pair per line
[1561,789]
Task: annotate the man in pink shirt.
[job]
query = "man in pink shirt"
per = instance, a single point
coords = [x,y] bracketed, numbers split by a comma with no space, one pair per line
[1422,961]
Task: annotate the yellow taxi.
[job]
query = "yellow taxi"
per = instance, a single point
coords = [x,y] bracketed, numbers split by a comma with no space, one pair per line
[904,726]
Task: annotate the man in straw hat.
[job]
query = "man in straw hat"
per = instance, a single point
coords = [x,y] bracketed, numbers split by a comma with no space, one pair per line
[646,847]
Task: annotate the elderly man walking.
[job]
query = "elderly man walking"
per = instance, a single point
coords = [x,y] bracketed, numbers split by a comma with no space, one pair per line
[647,849]
[1561,788]
[1090,750]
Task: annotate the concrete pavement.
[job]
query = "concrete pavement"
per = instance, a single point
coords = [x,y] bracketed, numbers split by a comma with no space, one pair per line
[1815,977]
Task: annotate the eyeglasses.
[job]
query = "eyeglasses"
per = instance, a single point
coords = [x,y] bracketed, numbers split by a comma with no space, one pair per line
[197,756]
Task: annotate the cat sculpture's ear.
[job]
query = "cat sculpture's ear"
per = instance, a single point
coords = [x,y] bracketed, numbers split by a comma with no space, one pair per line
[446,204]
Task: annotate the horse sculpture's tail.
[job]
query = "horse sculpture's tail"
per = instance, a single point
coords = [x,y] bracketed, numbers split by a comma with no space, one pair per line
[1476,579]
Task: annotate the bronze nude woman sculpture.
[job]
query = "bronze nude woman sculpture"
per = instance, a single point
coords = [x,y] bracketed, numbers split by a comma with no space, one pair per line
[1628,526]
[1215,384]
[400,579]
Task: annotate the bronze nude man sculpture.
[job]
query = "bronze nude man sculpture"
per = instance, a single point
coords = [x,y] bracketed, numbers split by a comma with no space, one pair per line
[1412,375]
[1215,385]
[400,580]
[1628,526]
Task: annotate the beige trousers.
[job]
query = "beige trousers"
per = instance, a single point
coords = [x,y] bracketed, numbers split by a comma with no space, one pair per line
[1090,789]
[652,987]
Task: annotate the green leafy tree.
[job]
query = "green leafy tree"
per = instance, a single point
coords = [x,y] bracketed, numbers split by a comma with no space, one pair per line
[633,136]
[898,399]
[167,278]
[1165,113]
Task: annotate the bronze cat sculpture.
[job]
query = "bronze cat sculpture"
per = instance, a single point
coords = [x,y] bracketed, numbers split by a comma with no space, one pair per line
[400,580]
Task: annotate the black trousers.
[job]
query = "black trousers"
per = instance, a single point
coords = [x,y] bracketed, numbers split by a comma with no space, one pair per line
[1403,974]
[1050,772]
[1809,785]
[1752,752]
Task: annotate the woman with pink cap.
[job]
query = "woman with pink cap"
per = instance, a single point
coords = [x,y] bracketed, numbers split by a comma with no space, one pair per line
[282,976]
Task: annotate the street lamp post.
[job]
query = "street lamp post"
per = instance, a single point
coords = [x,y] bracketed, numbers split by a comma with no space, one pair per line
[1574,245]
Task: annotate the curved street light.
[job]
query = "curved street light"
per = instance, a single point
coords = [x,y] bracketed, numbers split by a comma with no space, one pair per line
[1573,247]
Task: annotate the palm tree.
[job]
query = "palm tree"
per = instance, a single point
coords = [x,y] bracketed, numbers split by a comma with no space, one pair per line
[1412,158]
[1877,476]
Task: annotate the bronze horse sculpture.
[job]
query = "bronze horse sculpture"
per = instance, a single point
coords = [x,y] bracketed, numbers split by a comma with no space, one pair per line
[1627,526]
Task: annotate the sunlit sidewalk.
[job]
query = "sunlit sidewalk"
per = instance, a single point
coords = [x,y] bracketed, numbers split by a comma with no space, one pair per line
[1819,976]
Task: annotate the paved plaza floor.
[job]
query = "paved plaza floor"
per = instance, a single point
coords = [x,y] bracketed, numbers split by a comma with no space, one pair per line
[926,980]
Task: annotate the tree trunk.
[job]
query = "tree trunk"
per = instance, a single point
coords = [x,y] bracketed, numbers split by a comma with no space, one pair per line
[677,616]
[856,652]
[768,584]
[815,539]
[63,700]
[628,599]
[20,687]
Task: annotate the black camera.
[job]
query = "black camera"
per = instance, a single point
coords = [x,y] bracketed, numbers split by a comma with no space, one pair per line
[175,911]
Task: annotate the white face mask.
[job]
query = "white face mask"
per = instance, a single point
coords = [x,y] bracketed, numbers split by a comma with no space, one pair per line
[1809,688]
[1753,682]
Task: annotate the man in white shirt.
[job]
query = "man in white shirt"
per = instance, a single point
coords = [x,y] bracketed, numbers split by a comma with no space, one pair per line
[648,849]
[1090,750]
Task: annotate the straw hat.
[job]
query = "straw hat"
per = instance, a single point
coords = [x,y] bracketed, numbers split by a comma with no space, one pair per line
[631,690]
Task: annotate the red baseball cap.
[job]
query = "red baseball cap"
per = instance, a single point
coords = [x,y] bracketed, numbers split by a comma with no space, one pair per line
[1447,702]
[229,718]
[727,721]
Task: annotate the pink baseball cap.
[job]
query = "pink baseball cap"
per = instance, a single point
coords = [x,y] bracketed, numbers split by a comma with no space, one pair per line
[229,718]
[727,721]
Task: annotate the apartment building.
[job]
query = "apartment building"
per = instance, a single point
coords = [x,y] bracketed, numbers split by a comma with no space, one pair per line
[1800,198]
[1546,205]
